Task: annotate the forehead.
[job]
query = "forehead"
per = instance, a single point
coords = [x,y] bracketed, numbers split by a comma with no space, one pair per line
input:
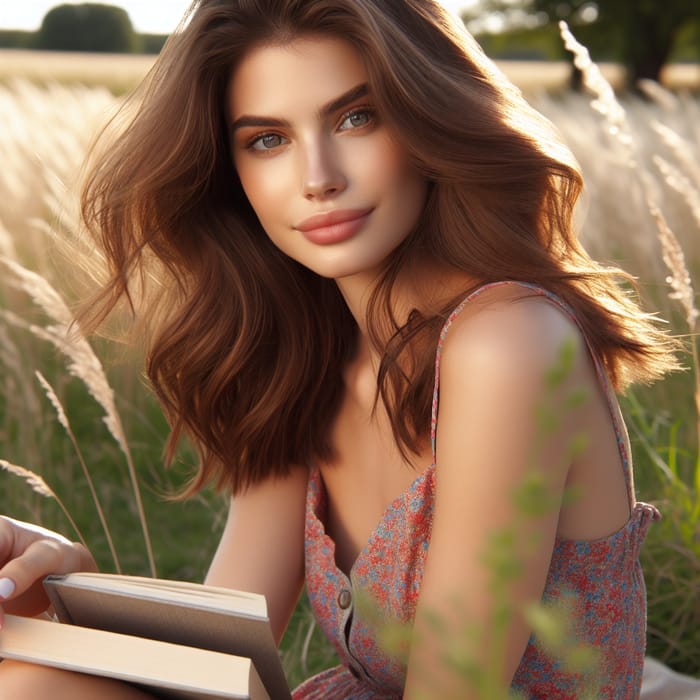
[305,73]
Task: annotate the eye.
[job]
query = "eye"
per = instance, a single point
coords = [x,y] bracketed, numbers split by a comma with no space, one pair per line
[267,142]
[356,119]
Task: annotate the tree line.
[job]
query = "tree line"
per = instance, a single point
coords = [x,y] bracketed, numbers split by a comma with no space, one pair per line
[85,27]
[643,35]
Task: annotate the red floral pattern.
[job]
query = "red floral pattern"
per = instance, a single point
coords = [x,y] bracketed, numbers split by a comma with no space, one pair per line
[601,581]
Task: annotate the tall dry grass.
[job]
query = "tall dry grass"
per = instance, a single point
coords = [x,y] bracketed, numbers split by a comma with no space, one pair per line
[43,140]
[655,170]
[642,211]
[43,145]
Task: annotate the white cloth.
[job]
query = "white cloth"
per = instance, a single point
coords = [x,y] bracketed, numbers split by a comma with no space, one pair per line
[661,683]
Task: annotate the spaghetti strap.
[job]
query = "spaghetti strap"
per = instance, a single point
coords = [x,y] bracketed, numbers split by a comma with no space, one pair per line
[601,579]
[613,405]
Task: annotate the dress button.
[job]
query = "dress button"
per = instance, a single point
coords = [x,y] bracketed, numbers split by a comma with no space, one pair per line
[344,599]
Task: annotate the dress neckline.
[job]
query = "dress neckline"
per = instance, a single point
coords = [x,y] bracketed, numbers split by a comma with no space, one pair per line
[637,509]
[395,505]
[640,513]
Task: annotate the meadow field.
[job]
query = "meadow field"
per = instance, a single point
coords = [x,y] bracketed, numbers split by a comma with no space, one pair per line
[81,418]
[120,72]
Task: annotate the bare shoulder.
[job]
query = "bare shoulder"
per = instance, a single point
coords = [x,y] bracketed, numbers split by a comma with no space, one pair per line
[490,443]
[510,331]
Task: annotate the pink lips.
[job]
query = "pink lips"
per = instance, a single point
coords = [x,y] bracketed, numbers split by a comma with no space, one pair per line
[334,226]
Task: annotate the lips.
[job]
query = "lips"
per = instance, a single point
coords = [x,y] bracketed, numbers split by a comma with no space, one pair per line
[334,226]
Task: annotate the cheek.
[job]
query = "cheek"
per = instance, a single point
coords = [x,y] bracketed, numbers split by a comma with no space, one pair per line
[262,188]
[398,174]
[408,188]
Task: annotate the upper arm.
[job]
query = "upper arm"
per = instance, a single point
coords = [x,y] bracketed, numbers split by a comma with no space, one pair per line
[489,441]
[262,545]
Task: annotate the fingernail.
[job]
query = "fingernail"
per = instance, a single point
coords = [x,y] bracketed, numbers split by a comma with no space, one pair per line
[7,587]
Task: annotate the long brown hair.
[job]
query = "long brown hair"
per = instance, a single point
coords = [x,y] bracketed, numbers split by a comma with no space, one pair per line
[245,347]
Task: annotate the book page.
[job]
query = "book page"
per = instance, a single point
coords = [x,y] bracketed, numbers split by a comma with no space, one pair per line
[177,671]
[157,614]
[197,594]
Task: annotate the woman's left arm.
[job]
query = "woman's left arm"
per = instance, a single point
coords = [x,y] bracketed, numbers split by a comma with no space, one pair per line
[489,441]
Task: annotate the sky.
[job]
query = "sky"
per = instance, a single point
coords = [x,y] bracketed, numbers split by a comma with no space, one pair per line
[147,16]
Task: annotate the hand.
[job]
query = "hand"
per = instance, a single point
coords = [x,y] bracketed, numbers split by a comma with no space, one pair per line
[27,554]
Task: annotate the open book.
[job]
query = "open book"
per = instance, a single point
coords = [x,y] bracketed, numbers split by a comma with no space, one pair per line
[179,640]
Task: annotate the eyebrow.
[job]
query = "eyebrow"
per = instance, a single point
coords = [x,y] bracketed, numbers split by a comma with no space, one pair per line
[328,109]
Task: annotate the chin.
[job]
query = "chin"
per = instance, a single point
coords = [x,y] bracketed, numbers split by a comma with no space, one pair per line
[346,269]
[336,273]
[339,264]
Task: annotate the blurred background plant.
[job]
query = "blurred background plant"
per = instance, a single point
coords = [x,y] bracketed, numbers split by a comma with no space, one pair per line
[663,182]
[642,211]
[460,642]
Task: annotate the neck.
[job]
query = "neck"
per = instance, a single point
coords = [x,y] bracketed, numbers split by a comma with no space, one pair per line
[426,287]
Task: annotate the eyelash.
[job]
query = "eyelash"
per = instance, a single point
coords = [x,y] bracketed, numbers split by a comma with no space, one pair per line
[348,115]
[371,113]
[256,139]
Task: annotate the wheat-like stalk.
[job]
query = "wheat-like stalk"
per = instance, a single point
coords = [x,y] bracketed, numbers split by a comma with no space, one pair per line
[39,486]
[83,363]
[7,245]
[672,253]
[677,181]
[41,292]
[605,102]
[681,149]
[53,399]
[679,279]
[63,420]
[680,282]
[45,135]
[33,480]
[659,94]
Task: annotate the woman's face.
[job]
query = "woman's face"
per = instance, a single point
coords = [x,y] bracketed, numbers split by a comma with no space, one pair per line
[330,185]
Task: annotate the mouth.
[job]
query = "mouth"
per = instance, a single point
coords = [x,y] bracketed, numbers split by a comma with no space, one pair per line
[334,226]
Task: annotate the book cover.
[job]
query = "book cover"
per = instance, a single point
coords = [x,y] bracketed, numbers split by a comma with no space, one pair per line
[189,614]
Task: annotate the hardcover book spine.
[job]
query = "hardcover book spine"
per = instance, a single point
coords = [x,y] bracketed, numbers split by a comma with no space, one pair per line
[54,596]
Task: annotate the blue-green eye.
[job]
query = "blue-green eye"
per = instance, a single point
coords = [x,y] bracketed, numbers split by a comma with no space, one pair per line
[267,142]
[357,119]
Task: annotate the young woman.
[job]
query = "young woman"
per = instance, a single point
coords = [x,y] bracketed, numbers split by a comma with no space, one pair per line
[351,244]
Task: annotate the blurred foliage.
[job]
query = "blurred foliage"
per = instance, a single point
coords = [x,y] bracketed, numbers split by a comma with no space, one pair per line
[151,43]
[87,27]
[536,44]
[17,39]
[642,35]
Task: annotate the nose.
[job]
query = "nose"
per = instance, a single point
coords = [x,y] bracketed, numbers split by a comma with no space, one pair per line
[323,175]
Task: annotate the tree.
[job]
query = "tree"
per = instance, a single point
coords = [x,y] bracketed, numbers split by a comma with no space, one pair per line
[87,27]
[639,33]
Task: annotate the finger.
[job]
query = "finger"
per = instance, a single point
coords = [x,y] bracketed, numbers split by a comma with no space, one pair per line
[41,557]
[7,538]
[22,577]
[15,536]
[7,588]
[7,585]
